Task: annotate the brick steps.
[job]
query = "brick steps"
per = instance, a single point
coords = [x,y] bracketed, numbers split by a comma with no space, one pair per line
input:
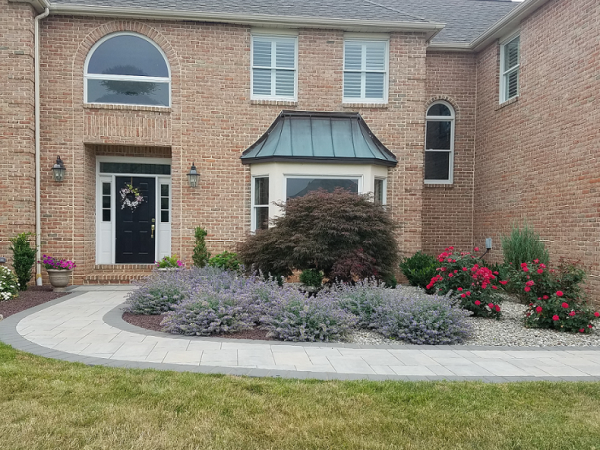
[118,273]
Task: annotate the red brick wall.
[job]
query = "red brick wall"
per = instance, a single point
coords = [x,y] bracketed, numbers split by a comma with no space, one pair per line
[17,139]
[212,120]
[537,158]
[447,209]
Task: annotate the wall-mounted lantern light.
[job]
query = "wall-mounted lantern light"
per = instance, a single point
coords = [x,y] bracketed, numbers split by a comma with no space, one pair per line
[58,170]
[193,176]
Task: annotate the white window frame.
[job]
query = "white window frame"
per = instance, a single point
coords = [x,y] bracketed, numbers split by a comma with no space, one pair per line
[364,71]
[354,177]
[383,189]
[274,38]
[96,76]
[452,120]
[506,72]
[254,206]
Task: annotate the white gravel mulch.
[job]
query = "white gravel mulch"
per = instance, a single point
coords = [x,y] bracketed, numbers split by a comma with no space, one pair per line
[508,331]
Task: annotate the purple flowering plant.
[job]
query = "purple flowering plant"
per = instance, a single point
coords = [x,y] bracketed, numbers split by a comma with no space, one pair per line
[50,262]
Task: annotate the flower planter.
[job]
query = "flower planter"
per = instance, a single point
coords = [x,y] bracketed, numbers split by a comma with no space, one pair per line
[59,279]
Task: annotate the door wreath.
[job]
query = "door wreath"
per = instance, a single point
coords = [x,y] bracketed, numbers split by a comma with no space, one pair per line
[131,197]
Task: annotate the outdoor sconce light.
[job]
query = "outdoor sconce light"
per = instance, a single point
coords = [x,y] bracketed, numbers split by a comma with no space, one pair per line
[58,170]
[193,176]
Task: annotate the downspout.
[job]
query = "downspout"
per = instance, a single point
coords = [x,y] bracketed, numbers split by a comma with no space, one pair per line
[38,225]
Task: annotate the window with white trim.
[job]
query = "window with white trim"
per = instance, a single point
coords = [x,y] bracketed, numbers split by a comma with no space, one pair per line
[379,191]
[510,58]
[365,71]
[274,67]
[127,69]
[260,203]
[439,144]
[300,186]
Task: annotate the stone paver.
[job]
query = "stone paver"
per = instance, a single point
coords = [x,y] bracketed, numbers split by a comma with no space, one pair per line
[86,326]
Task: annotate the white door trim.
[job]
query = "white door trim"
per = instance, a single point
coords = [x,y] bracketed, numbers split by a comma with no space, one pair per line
[106,231]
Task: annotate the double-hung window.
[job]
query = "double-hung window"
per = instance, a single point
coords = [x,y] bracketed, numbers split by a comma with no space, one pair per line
[260,203]
[510,58]
[439,144]
[365,71]
[274,67]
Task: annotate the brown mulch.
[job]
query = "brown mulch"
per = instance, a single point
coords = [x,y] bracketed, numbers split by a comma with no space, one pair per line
[33,296]
[153,323]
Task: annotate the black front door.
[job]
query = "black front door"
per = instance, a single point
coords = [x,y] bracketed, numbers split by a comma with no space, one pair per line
[135,228]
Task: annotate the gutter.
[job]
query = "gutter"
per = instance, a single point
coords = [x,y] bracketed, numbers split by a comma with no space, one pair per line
[38,225]
[507,24]
[258,20]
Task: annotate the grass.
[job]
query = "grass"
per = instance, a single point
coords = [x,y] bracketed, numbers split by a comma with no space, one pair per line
[47,404]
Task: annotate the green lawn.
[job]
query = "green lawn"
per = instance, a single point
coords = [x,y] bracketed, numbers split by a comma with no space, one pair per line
[47,404]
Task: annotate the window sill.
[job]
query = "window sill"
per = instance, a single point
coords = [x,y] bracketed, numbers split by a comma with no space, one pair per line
[274,102]
[365,105]
[507,103]
[438,185]
[127,107]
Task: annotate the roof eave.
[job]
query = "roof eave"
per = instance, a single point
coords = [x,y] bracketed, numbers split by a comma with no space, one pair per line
[507,24]
[38,5]
[450,46]
[259,20]
[317,159]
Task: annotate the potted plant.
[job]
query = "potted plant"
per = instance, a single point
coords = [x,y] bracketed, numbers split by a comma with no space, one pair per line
[169,263]
[59,271]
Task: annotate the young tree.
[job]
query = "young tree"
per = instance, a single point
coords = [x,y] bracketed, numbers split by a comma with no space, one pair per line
[345,235]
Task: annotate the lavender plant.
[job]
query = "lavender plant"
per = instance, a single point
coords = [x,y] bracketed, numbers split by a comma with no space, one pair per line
[209,313]
[158,293]
[293,316]
[423,319]
[362,299]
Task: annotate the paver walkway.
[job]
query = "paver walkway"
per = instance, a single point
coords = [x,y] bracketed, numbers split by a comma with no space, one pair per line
[86,326]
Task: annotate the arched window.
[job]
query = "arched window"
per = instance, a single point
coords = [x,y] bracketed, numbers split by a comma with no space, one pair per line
[127,69]
[439,144]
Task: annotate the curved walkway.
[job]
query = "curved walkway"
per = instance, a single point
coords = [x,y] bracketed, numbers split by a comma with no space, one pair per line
[86,326]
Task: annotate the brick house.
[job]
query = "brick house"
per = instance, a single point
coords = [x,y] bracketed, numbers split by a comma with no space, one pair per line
[460,115]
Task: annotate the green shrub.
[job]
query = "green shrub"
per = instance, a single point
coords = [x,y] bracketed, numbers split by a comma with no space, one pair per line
[9,284]
[311,277]
[23,258]
[523,245]
[419,269]
[344,235]
[225,261]
[201,255]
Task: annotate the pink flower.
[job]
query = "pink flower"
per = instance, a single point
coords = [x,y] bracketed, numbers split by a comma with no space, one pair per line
[536,261]
[538,309]
[497,308]
[581,330]
[545,297]
[476,249]
[555,317]
[477,302]
[559,293]
[491,305]
[462,295]
[525,269]
[459,289]
[530,283]
[540,271]
[565,305]
[597,314]
[503,282]
[494,287]
[465,269]
[590,326]
[572,313]
[450,275]
[468,293]
[543,266]
[527,288]
[523,264]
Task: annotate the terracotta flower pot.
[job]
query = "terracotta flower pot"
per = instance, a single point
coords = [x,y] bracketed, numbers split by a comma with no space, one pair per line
[59,279]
